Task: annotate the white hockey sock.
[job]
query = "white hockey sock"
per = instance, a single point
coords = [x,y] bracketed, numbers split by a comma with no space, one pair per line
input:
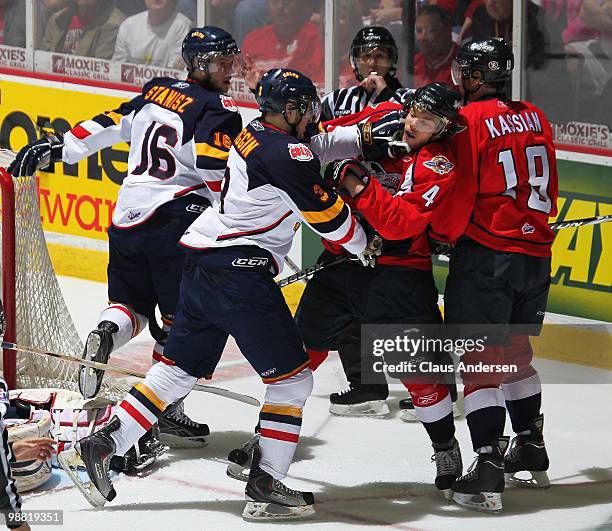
[129,322]
[280,422]
[147,400]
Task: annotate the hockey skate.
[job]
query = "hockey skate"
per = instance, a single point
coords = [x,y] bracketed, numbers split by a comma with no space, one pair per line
[98,348]
[482,487]
[177,430]
[360,401]
[527,453]
[449,465]
[142,455]
[241,460]
[408,413]
[270,500]
[93,452]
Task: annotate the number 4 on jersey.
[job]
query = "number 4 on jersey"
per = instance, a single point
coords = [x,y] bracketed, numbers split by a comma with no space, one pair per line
[430,195]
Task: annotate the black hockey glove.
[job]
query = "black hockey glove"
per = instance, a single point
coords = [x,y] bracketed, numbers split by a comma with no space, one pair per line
[336,171]
[383,139]
[37,155]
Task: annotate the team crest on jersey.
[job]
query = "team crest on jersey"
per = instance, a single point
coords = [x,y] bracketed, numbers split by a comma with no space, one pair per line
[527,229]
[300,152]
[181,85]
[320,193]
[228,103]
[440,164]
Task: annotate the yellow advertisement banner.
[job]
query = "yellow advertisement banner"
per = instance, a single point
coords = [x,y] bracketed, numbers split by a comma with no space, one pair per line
[74,199]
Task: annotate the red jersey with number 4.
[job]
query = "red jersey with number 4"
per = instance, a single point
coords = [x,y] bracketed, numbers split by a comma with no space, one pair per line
[508,185]
[403,195]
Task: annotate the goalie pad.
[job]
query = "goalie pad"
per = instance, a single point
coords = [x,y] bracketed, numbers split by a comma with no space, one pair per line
[73,418]
[30,474]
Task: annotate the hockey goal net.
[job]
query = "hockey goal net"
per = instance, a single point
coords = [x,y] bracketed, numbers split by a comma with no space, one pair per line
[36,313]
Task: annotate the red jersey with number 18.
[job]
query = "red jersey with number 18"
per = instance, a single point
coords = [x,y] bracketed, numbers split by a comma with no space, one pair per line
[508,185]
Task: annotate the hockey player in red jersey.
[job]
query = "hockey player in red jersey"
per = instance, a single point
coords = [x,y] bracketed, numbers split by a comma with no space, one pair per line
[500,266]
[398,200]
[180,133]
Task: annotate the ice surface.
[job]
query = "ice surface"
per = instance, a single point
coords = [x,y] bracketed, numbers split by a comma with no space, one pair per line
[365,472]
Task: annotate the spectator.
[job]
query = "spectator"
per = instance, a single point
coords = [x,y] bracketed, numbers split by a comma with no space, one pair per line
[249,15]
[349,18]
[593,56]
[189,9]
[154,36]
[434,37]
[386,12]
[12,23]
[86,27]
[291,41]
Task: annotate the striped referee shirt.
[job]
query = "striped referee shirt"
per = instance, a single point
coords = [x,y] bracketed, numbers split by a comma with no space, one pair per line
[351,100]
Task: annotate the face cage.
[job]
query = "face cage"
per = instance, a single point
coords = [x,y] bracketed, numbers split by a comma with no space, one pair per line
[356,51]
[308,106]
[203,62]
[424,125]
[459,72]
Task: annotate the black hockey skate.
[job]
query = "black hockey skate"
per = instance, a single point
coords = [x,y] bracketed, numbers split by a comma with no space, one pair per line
[95,453]
[268,499]
[360,400]
[177,430]
[481,488]
[241,460]
[142,455]
[527,453]
[449,465]
[98,347]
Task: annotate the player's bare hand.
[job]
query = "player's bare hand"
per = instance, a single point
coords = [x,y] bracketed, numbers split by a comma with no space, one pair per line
[39,448]
[249,71]
[23,527]
[374,83]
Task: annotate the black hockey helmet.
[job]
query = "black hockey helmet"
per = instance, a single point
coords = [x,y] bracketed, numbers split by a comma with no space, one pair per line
[493,58]
[205,43]
[280,86]
[369,38]
[440,100]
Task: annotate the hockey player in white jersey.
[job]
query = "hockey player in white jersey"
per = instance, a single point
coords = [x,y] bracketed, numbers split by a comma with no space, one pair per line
[180,133]
[272,184]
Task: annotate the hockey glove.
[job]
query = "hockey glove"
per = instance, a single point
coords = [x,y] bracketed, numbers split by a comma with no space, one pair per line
[37,155]
[374,248]
[383,139]
[336,171]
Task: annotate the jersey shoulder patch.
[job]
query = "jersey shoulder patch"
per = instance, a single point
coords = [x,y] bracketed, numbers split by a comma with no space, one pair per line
[228,103]
[437,162]
[300,152]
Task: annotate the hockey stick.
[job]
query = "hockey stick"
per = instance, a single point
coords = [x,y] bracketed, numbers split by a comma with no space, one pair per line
[309,271]
[129,372]
[573,223]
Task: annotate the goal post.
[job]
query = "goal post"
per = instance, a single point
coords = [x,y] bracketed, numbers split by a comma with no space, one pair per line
[36,312]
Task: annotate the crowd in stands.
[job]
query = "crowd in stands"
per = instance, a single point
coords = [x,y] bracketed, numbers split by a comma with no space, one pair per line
[569,42]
